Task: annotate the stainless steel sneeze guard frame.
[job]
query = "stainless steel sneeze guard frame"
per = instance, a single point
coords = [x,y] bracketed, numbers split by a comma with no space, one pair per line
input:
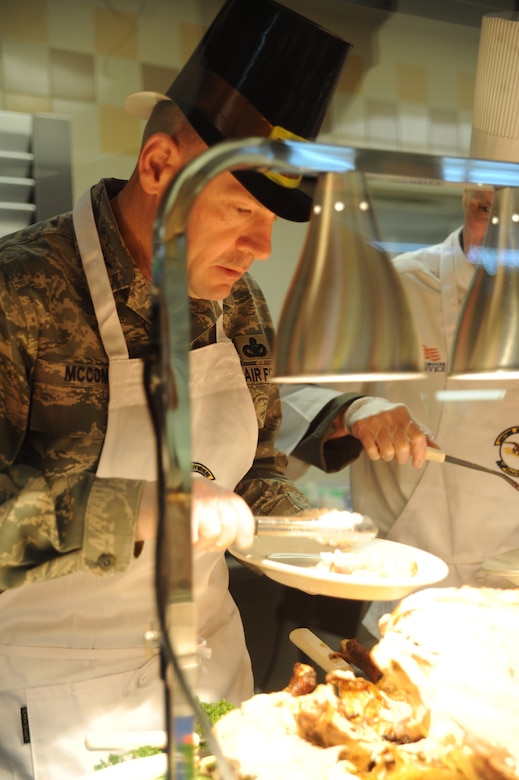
[171,306]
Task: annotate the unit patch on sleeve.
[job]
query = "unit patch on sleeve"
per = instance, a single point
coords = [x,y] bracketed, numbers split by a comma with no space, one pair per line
[256,362]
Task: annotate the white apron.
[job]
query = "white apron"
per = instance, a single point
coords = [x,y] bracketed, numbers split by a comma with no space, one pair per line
[90,670]
[224,441]
[464,516]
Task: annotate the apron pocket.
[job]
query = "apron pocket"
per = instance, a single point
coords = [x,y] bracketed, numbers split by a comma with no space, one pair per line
[59,718]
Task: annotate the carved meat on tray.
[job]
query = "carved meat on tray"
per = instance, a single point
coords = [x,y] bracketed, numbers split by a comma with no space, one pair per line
[445,708]
[460,649]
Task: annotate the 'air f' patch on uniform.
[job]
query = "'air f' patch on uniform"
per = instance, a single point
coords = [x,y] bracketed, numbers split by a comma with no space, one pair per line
[255,357]
[256,362]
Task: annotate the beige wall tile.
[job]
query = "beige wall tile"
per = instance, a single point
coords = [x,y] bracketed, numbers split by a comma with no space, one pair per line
[118,131]
[27,104]
[443,88]
[72,75]
[380,82]
[115,33]
[26,67]
[117,78]
[412,83]
[413,127]
[381,123]
[70,25]
[25,21]
[158,33]
[444,134]
[349,120]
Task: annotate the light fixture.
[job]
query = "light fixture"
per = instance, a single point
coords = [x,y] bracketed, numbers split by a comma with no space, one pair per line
[345,316]
[486,345]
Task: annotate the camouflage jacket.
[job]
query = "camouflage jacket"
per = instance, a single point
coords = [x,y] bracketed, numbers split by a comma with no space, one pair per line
[56,516]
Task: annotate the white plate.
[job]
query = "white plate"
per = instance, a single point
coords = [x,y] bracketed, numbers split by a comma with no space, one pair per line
[293,562]
[505,565]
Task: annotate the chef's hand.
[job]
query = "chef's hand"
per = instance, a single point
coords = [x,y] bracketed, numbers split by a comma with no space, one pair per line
[387,430]
[220,517]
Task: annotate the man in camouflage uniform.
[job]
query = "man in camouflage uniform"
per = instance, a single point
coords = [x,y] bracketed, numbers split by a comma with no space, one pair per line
[72,643]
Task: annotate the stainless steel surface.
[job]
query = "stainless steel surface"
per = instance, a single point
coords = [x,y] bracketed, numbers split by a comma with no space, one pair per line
[52,172]
[438,456]
[36,168]
[487,339]
[345,312]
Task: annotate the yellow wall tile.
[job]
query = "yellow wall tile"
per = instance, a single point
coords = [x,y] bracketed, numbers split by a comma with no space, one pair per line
[412,83]
[115,33]
[118,131]
[26,21]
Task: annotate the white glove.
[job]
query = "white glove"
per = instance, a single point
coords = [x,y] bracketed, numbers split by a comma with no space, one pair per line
[387,430]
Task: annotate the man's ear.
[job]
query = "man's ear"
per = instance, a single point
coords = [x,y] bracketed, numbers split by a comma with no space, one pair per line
[159,161]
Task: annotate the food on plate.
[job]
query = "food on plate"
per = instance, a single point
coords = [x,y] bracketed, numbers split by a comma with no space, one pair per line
[445,706]
[330,523]
[337,517]
[359,563]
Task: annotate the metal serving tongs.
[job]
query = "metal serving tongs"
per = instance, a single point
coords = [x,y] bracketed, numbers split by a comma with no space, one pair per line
[335,528]
[440,457]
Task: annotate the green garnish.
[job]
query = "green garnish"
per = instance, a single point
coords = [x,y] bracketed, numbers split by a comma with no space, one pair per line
[140,752]
[213,711]
[217,710]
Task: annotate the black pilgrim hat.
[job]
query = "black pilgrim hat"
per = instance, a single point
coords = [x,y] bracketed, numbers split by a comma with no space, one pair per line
[263,71]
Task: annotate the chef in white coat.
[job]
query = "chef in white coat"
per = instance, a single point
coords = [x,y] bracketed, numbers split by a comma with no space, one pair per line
[462,516]
[77,452]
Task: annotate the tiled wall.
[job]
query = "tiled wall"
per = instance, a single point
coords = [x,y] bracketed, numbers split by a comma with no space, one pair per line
[408,83]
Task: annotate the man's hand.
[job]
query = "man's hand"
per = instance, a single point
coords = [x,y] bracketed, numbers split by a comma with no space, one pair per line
[220,517]
[387,430]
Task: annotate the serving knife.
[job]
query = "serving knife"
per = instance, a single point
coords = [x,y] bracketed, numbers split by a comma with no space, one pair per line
[440,457]
[317,650]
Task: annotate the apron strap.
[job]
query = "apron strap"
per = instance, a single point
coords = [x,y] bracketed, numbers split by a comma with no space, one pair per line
[220,333]
[94,266]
